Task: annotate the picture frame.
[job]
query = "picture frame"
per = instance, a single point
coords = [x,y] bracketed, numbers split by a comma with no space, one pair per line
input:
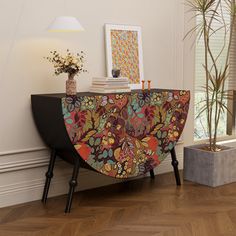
[124,52]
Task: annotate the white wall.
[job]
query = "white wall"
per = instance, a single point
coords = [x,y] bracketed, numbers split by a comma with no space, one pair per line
[23,71]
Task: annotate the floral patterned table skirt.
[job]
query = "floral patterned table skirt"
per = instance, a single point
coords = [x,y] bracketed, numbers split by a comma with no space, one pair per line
[126,135]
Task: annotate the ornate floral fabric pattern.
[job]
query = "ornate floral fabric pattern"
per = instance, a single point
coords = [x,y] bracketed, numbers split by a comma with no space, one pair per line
[126,135]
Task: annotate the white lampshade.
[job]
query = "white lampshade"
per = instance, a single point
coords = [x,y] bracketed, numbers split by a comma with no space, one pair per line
[65,24]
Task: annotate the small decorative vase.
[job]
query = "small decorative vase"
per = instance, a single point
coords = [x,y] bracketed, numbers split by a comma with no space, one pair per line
[115,73]
[71,85]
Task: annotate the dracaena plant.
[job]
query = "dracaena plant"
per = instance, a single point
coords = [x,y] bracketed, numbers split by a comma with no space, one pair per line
[210,13]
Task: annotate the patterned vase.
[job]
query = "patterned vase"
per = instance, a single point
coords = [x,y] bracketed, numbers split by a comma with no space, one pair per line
[71,85]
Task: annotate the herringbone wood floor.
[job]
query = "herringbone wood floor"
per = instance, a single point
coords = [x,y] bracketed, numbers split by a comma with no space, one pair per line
[137,208]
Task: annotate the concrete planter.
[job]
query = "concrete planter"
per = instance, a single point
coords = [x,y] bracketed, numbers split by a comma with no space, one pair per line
[210,168]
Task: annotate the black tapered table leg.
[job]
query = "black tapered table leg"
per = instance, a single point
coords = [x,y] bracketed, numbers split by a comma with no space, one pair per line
[72,184]
[175,164]
[49,175]
[152,175]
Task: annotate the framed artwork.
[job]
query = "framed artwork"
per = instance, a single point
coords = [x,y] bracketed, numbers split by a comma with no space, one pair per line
[124,52]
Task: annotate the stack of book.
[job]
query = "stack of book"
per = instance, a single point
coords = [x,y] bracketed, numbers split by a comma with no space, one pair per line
[110,85]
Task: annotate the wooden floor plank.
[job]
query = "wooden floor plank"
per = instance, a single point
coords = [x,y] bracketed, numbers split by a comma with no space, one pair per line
[141,207]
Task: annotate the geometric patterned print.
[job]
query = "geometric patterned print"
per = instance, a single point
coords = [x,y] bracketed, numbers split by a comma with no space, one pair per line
[125,135]
[125,54]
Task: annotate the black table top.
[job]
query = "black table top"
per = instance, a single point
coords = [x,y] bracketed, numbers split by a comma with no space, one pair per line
[61,95]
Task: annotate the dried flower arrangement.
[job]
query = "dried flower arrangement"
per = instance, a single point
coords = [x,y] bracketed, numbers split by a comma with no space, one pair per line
[70,63]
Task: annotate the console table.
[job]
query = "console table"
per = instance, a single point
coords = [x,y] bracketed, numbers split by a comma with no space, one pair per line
[120,135]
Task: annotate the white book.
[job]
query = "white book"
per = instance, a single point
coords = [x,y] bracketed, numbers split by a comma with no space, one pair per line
[105,85]
[95,90]
[110,79]
[110,82]
[110,87]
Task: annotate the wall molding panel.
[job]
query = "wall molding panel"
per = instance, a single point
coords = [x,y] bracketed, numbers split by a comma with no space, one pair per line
[21,160]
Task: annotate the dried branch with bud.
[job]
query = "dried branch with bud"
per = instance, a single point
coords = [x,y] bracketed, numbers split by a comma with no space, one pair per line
[70,63]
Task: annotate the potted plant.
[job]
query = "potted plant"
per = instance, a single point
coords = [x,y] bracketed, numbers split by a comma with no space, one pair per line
[211,164]
[70,64]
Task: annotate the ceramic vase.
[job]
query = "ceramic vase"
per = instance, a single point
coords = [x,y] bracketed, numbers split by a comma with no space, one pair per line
[71,85]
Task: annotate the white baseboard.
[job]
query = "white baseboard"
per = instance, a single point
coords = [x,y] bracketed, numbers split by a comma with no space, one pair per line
[23,176]
[22,160]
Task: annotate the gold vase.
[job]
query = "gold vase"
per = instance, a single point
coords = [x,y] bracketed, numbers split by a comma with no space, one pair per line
[71,85]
